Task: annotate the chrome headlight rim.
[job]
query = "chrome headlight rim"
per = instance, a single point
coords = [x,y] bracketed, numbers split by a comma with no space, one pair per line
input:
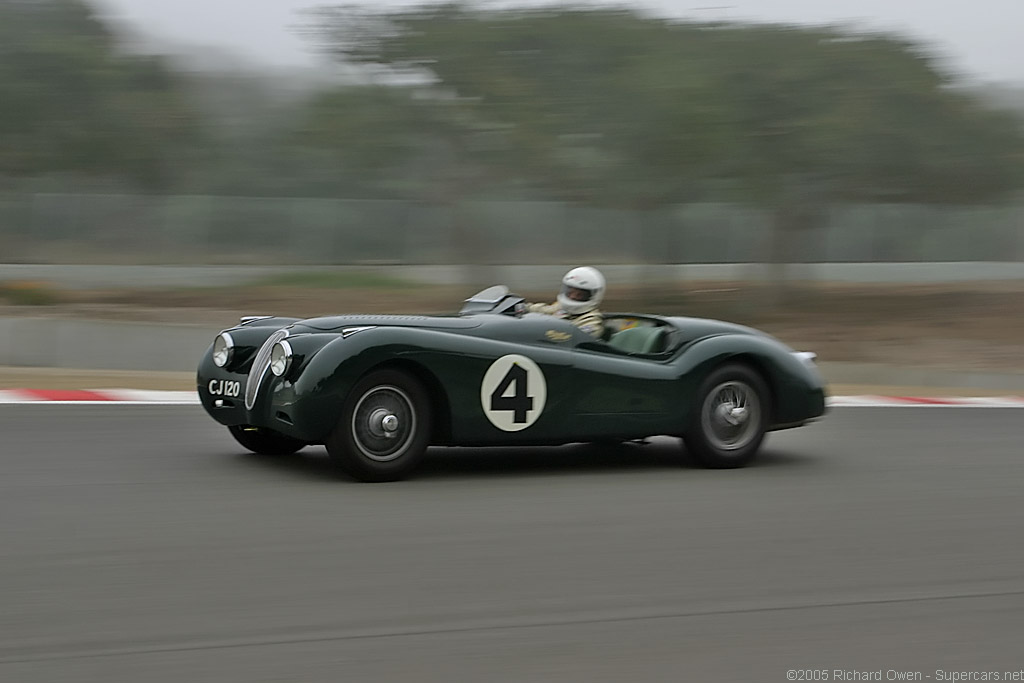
[281,358]
[223,349]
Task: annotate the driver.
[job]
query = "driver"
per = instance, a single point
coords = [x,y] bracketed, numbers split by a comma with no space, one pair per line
[581,293]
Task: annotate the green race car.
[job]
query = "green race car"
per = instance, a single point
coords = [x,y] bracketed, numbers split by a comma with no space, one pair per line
[377,390]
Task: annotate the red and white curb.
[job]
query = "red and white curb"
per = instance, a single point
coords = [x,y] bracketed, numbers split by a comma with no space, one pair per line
[99,396]
[925,402]
[136,396]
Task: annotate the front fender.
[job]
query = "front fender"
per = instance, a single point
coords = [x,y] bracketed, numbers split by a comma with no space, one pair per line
[315,398]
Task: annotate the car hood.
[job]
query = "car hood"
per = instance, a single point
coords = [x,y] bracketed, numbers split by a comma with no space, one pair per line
[337,323]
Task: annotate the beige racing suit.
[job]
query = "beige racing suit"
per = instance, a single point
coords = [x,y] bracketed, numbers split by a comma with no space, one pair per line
[591,322]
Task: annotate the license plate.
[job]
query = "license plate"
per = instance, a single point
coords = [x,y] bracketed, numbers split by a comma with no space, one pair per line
[225,387]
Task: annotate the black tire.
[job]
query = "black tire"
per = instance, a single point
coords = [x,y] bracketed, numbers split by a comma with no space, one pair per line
[384,429]
[729,418]
[265,441]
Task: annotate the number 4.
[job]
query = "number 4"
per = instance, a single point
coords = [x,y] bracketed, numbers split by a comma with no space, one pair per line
[520,402]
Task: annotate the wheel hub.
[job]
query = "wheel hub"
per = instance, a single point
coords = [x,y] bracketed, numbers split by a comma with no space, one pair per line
[731,414]
[383,424]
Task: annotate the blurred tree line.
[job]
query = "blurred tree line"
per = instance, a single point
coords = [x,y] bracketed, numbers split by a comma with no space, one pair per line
[603,107]
[71,103]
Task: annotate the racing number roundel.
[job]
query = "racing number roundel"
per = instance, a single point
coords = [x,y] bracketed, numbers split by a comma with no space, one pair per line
[513,393]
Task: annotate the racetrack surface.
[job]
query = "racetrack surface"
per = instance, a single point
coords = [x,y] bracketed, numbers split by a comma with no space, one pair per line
[139,543]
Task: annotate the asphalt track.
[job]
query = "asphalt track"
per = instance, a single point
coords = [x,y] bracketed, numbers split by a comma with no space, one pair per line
[139,543]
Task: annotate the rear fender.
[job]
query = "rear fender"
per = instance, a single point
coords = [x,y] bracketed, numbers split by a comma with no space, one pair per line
[795,388]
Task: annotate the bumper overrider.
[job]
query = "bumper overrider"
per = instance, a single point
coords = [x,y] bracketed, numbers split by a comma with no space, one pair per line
[255,380]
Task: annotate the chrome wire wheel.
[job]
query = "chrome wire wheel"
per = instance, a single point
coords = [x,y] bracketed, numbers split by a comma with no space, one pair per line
[731,416]
[383,423]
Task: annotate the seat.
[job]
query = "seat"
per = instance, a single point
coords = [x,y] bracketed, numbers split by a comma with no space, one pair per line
[643,339]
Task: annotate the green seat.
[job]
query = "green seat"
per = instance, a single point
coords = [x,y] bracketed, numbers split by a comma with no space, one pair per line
[639,339]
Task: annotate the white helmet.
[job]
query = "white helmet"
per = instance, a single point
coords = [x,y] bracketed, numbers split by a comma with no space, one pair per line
[582,290]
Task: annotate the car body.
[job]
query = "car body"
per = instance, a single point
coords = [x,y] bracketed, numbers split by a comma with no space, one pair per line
[378,389]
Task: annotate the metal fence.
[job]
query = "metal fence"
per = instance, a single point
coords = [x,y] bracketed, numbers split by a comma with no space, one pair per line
[95,228]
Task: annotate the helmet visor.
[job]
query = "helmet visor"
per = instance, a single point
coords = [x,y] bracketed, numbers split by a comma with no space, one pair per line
[576,293]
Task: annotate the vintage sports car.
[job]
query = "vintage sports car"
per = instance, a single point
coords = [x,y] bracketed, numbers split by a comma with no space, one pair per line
[377,390]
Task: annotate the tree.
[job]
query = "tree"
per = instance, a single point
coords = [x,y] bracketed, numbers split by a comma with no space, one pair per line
[591,105]
[71,101]
[402,141]
[832,116]
[614,106]
[563,103]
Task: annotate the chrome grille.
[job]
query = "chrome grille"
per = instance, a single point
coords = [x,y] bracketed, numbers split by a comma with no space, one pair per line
[259,368]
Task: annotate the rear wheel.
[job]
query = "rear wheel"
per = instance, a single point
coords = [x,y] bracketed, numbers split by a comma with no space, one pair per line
[384,427]
[730,418]
[265,441]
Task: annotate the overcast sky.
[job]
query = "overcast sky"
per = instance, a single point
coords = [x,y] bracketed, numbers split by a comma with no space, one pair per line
[982,38]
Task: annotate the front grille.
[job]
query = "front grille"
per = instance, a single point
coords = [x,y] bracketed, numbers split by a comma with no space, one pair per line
[259,368]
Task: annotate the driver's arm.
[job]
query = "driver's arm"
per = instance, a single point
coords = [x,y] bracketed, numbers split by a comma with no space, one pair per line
[546,309]
[592,323]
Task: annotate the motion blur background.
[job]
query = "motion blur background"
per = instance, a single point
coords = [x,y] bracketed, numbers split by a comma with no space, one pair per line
[844,174]
[138,132]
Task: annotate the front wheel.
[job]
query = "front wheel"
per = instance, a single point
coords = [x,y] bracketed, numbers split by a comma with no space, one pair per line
[265,441]
[384,427]
[730,418]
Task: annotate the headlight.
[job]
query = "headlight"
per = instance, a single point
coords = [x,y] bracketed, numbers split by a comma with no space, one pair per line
[223,347]
[280,358]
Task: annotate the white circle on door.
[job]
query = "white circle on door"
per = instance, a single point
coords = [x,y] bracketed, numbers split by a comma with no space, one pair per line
[513,393]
